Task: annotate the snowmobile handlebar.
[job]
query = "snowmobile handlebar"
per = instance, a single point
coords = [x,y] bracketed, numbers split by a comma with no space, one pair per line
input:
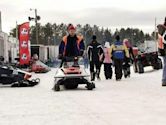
[69,59]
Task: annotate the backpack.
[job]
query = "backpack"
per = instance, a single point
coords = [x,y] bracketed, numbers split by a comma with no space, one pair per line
[118,52]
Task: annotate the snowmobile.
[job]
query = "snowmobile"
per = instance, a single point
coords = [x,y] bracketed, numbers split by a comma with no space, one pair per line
[147,59]
[39,67]
[16,77]
[72,73]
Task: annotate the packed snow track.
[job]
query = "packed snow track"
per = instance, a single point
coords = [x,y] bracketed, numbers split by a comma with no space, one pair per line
[139,100]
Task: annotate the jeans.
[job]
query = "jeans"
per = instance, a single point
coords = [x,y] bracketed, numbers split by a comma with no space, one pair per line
[86,63]
[164,70]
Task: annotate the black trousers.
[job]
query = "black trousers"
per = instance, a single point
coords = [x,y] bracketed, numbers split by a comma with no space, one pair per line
[108,70]
[94,65]
[126,69]
[118,68]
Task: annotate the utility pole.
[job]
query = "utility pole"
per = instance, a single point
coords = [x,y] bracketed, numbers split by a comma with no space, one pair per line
[155,30]
[37,38]
[0,22]
[16,30]
[36,18]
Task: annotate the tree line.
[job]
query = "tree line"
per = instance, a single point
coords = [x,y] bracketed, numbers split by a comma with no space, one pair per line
[51,34]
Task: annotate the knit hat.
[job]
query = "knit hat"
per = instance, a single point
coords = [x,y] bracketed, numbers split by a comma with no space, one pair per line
[117,37]
[126,43]
[107,45]
[71,27]
[94,37]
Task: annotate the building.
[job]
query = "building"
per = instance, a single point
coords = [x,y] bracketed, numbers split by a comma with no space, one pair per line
[13,46]
[4,46]
[9,46]
[44,52]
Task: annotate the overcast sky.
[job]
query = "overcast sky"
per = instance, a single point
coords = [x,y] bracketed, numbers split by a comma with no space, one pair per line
[107,13]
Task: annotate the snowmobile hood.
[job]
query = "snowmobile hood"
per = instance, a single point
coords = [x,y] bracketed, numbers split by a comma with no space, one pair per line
[72,70]
[60,73]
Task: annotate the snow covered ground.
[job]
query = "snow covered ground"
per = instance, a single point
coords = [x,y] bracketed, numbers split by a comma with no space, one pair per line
[139,100]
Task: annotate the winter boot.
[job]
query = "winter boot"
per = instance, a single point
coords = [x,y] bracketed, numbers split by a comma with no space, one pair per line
[164,84]
[92,76]
[98,74]
[128,71]
[125,73]
[118,79]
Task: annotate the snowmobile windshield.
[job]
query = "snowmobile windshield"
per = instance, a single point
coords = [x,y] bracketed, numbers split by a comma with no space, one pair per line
[41,64]
[7,67]
[73,63]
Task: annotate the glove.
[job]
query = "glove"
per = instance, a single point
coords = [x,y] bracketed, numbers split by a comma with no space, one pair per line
[81,53]
[127,60]
[60,56]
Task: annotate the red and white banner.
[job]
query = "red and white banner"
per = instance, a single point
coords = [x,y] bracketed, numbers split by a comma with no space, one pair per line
[24,44]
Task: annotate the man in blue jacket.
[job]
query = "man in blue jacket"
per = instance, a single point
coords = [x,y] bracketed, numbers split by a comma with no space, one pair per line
[118,52]
[71,45]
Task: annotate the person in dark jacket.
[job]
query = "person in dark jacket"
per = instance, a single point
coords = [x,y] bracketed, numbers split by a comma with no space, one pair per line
[95,55]
[128,61]
[118,53]
[71,45]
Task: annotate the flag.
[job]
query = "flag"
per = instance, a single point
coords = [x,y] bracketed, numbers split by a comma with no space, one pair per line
[24,44]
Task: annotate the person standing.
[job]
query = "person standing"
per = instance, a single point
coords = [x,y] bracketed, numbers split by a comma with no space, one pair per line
[162,48]
[71,46]
[107,61]
[118,52]
[95,52]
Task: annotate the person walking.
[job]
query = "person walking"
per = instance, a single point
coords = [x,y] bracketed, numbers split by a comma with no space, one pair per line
[118,52]
[128,61]
[95,54]
[107,61]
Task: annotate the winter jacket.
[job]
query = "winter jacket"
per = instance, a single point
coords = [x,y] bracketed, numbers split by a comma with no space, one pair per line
[119,51]
[71,46]
[107,55]
[95,52]
[162,40]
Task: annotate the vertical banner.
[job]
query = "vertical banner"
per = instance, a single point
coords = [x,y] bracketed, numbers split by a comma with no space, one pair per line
[24,43]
